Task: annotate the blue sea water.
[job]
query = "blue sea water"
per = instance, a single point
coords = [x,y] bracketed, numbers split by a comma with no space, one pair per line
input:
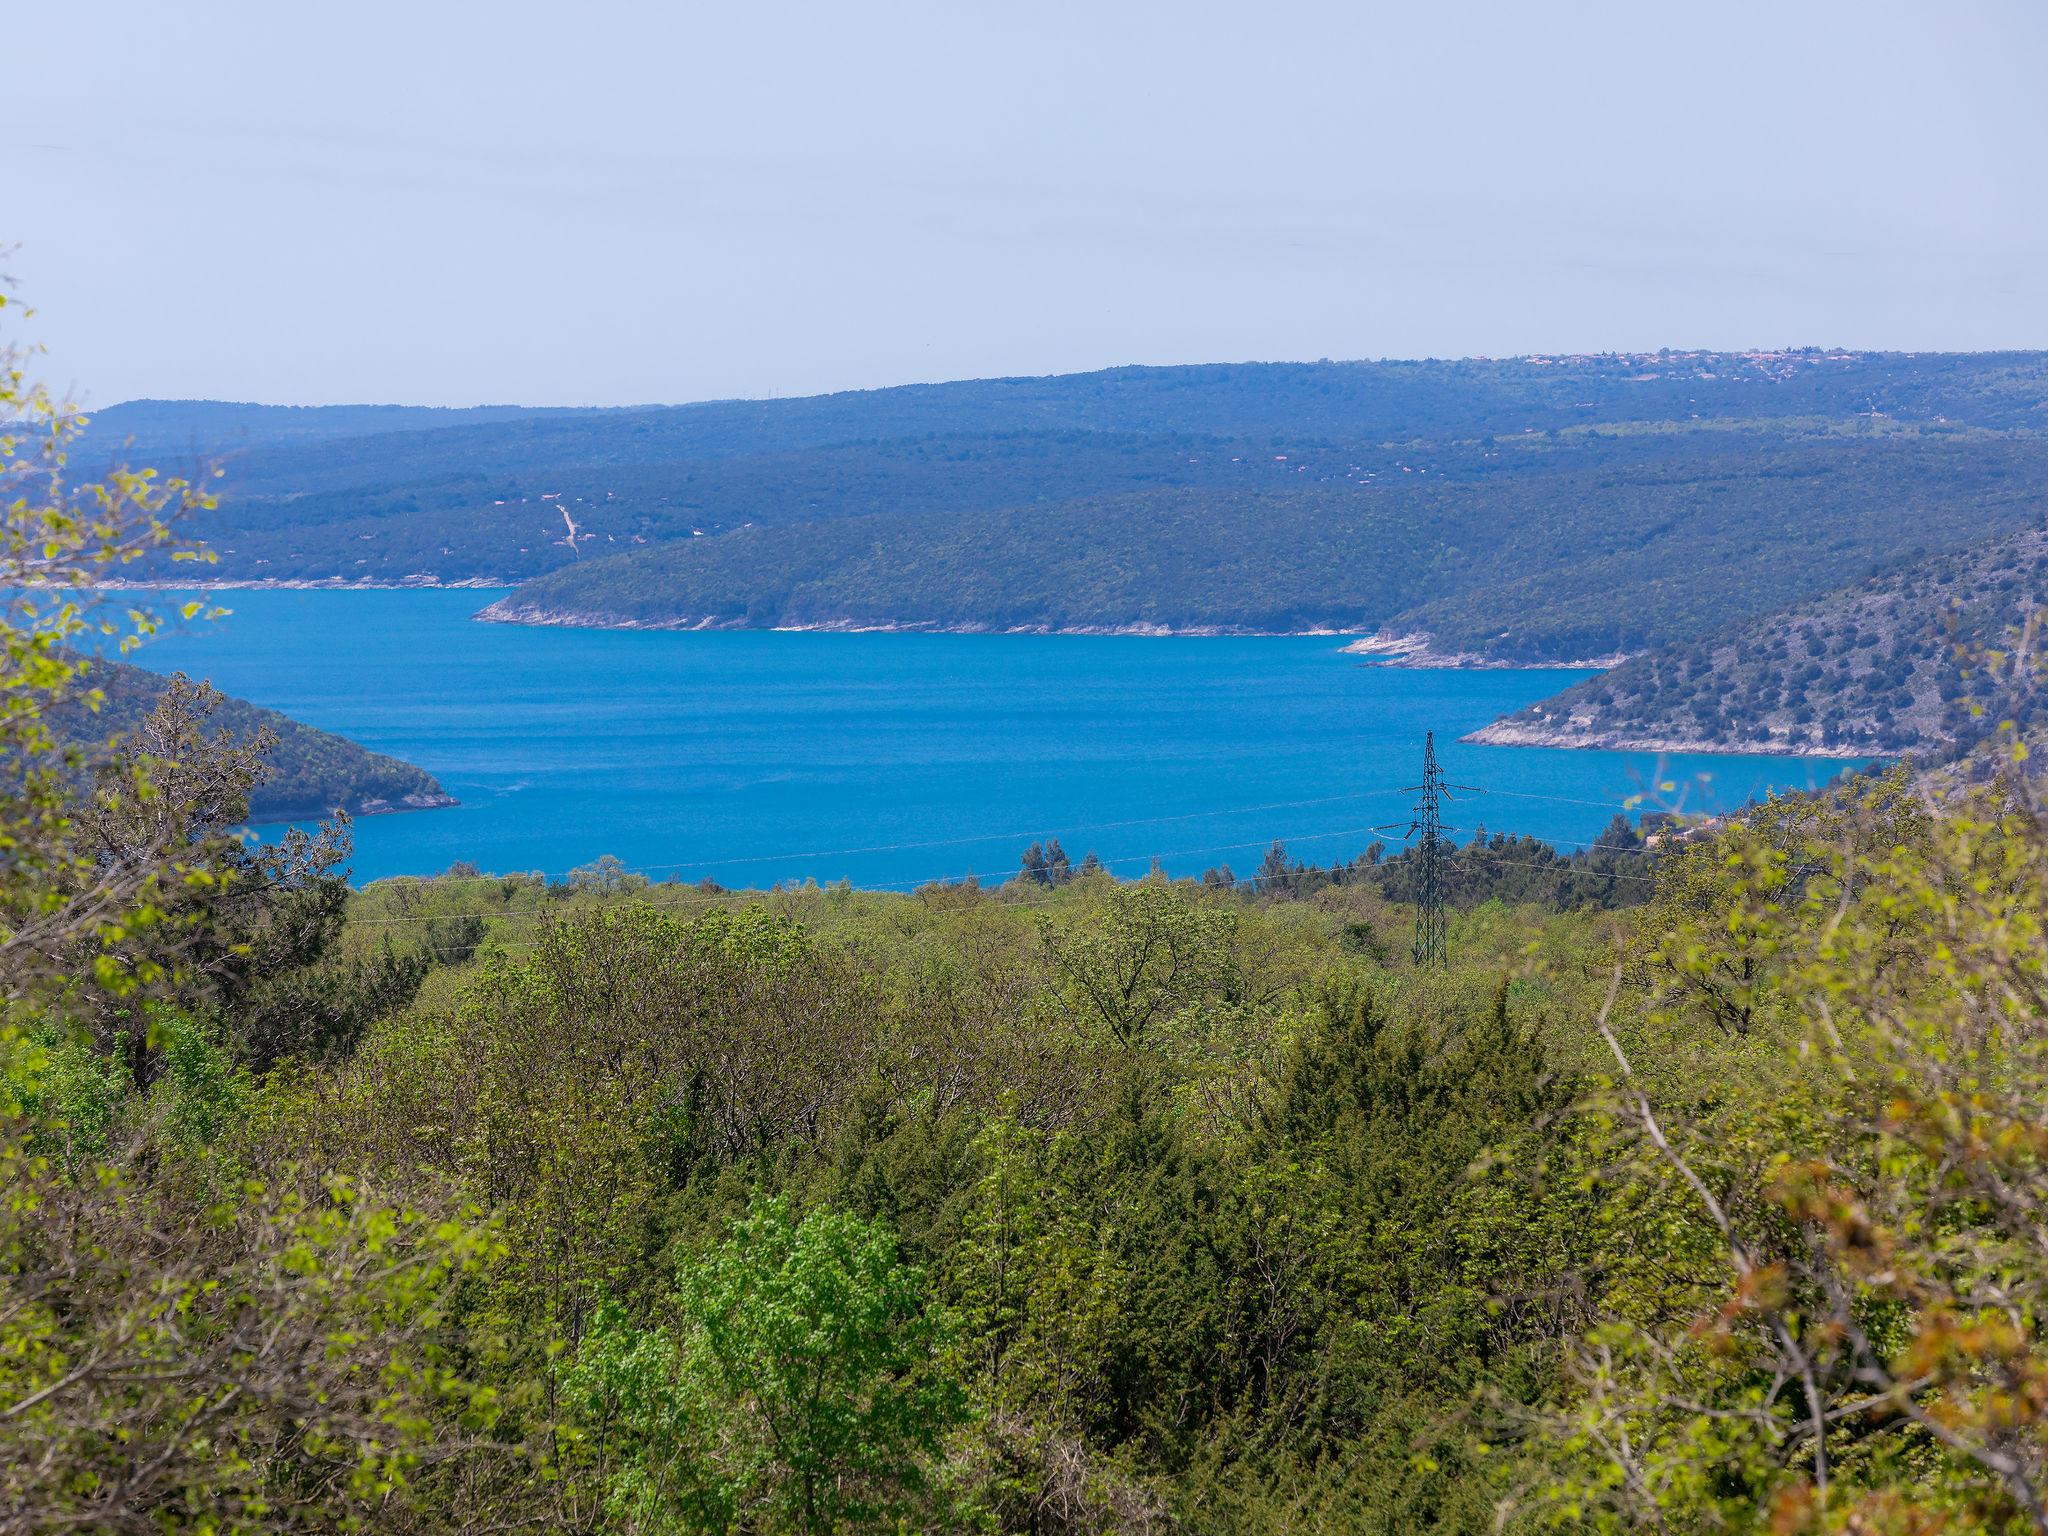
[892,759]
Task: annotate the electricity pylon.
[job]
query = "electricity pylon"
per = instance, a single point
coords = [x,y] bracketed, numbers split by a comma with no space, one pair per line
[1431,947]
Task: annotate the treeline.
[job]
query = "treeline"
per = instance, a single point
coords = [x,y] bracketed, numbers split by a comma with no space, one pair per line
[1614,871]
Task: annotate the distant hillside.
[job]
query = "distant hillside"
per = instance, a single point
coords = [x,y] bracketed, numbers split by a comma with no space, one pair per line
[1873,668]
[448,486]
[478,525]
[1360,402]
[139,431]
[1517,508]
[1520,551]
[313,772]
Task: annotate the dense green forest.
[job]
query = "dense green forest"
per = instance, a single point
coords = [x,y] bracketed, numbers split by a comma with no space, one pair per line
[487,522]
[1883,666]
[1517,552]
[1432,496]
[1700,1190]
[308,773]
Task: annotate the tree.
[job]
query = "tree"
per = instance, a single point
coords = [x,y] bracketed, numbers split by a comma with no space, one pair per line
[606,876]
[1145,951]
[1046,864]
[249,929]
[1838,1323]
[279,1360]
[804,1393]
[120,873]
[180,1350]
[64,905]
[1274,875]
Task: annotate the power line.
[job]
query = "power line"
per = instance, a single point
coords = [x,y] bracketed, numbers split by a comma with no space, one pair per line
[700,901]
[1431,851]
[1039,832]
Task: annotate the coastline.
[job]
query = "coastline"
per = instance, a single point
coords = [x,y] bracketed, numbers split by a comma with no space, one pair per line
[1417,649]
[1410,650]
[376,806]
[506,612]
[1512,733]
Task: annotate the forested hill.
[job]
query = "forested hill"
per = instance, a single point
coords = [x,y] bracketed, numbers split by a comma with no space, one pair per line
[1392,401]
[1517,551]
[1892,664]
[312,772]
[1435,471]
[147,430]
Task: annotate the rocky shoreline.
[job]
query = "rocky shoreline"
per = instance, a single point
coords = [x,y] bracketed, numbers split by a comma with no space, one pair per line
[1417,649]
[437,801]
[506,611]
[1510,732]
[376,805]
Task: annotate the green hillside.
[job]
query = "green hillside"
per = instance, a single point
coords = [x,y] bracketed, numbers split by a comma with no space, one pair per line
[391,494]
[1523,509]
[476,523]
[1881,666]
[312,772]
[1531,551]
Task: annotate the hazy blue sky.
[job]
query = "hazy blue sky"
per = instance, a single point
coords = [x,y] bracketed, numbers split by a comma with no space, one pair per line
[610,202]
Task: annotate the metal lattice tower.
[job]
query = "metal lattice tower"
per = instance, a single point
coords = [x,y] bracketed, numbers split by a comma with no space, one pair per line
[1431,947]
[1429,823]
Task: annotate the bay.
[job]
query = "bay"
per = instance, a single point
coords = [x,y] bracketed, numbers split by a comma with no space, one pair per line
[750,757]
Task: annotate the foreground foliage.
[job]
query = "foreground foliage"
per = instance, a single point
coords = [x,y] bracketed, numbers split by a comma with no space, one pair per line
[1079,1207]
[803,1394]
